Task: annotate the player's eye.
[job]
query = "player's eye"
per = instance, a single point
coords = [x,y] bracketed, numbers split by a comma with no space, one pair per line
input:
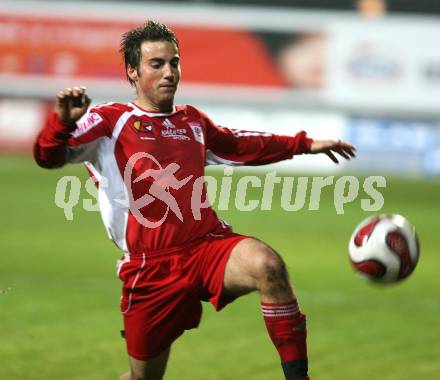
[156,64]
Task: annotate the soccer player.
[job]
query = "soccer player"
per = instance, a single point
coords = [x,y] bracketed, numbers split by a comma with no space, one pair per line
[148,158]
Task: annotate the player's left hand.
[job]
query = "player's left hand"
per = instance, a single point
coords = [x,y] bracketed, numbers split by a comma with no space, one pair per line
[330,147]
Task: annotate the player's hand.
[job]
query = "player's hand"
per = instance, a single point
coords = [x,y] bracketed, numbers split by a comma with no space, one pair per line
[330,147]
[72,103]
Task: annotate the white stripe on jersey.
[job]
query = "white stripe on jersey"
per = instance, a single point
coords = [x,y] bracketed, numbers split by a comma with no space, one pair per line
[113,200]
[104,104]
[93,170]
[239,133]
[152,114]
[212,159]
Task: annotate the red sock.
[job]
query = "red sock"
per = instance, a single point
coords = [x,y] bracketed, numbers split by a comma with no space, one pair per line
[287,329]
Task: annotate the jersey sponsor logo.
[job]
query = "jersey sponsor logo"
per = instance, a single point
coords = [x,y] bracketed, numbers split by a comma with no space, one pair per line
[86,123]
[168,124]
[198,132]
[175,134]
[171,131]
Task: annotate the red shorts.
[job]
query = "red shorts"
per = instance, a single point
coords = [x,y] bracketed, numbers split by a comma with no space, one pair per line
[162,292]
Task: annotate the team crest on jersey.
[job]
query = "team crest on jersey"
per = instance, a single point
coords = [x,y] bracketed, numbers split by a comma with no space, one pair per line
[86,123]
[143,127]
[197,131]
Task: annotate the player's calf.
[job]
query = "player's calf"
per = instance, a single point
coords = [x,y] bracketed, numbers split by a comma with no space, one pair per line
[255,266]
[151,369]
[285,323]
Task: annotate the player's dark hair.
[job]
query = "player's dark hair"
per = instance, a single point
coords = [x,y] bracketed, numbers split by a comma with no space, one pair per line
[132,40]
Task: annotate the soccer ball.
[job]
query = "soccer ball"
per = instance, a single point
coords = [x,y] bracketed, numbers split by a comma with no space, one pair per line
[384,248]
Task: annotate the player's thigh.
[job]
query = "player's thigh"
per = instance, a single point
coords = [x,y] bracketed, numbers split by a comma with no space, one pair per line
[247,264]
[151,369]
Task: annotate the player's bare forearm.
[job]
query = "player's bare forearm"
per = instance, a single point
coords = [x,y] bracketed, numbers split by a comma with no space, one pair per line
[332,147]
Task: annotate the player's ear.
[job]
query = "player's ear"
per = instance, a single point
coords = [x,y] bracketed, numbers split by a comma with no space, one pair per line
[132,73]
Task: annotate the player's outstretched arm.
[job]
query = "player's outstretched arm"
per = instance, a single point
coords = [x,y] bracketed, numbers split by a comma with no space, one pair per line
[72,104]
[330,147]
[51,145]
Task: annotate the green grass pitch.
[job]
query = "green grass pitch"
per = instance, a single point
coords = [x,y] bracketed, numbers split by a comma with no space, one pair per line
[59,296]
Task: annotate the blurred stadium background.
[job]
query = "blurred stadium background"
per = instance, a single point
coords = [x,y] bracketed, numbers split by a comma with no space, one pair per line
[367,71]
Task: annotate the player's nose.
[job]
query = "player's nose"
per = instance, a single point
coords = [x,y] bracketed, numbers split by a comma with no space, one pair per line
[168,72]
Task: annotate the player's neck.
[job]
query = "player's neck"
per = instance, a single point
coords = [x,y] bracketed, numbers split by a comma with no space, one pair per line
[151,107]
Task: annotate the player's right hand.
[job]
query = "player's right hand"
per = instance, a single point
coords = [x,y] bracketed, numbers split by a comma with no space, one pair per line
[330,147]
[72,103]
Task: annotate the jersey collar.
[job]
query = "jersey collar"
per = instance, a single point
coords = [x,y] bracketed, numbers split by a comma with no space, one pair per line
[155,114]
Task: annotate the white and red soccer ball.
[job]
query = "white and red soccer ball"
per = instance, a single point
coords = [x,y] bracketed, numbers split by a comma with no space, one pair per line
[384,248]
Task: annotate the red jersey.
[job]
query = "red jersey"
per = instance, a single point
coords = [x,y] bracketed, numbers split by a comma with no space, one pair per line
[150,168]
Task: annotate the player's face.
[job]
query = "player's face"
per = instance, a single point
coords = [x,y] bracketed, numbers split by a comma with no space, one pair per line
[158,74]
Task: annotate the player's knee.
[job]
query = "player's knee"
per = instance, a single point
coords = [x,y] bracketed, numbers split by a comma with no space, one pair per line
[271,270]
